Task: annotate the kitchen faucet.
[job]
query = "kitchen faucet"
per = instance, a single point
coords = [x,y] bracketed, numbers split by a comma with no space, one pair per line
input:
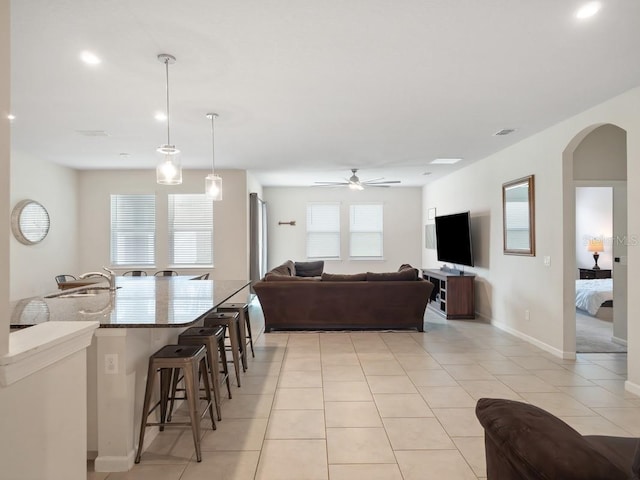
[111,277]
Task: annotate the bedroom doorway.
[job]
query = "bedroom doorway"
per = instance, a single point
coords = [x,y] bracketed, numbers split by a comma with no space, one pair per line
[595,261]
[596,158]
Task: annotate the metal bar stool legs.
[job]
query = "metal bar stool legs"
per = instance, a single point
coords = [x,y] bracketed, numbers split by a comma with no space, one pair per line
[213,339]
[243,310]
[230,320]
[191,359]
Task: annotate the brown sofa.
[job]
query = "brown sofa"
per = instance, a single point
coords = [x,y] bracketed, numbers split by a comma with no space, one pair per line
[524,442]
[395,300]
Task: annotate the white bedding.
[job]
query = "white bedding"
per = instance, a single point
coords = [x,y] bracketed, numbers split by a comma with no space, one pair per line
[591,294]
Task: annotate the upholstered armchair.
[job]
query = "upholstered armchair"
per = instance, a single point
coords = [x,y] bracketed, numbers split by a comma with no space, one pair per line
[525,442]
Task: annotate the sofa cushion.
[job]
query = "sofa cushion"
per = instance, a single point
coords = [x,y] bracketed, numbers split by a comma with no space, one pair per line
[275,277]
[337,277]
[404,266]
[309,269]
[403,275]
[287,268]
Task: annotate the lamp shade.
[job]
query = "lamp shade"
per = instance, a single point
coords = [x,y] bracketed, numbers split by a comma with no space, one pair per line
[213,186]
[596,245]
[169,170]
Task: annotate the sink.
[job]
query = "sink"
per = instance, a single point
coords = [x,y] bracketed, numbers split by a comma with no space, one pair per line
[85,292]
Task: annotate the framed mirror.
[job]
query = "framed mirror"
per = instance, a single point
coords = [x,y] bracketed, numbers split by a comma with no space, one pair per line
[518,217]
[29,222]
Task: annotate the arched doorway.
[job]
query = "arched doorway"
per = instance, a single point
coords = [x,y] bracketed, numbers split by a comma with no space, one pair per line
[595,156]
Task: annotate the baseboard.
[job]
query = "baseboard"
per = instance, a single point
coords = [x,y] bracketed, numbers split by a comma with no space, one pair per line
[632,387]
[114,464]
[534,341]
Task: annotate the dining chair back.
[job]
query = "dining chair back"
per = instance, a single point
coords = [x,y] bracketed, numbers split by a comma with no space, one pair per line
[135,273]
[166,273]
[64,278]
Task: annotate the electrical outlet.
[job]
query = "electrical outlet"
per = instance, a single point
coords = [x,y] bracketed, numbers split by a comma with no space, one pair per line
[111,363]
[547,261]
[527,315]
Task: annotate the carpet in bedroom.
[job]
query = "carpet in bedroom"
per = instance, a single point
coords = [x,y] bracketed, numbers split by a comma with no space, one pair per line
[594,335]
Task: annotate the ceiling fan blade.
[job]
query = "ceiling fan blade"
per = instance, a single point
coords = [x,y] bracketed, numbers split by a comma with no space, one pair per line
[331,183]
[373,180]
[386,182]
[377,185]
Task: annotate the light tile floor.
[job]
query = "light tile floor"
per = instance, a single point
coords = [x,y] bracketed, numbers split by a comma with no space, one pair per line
[385,405]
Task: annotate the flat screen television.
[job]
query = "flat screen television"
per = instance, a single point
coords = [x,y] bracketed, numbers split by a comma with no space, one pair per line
[453,239]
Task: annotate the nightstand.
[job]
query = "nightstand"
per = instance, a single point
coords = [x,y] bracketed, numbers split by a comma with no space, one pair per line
[590,274]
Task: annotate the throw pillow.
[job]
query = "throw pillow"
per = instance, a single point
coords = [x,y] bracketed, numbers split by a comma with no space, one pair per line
[286,268]
[403,275]
[336,277]
[309,269]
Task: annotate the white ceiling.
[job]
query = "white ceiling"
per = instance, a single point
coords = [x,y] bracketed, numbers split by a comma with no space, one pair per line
[308,89]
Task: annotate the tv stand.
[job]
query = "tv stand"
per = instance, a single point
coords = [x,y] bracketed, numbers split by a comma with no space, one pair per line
[453,295]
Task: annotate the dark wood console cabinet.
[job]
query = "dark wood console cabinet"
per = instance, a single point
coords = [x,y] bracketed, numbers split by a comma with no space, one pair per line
[453,295]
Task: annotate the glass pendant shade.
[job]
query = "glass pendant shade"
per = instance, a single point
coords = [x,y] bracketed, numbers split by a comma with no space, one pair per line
[213,186]
[213,182]
[169,169]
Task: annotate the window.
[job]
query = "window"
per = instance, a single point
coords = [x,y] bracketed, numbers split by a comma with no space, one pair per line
[366,231]
[323,230]
[133,230]
[190,230]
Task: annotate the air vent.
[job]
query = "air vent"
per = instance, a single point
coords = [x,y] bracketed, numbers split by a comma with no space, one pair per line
[92,133]
[504,131]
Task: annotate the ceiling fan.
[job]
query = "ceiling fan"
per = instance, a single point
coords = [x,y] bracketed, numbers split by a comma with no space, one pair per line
[354,183]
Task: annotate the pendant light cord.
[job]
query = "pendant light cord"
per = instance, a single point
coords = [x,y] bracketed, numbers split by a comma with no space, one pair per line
[166,64]
[213,116]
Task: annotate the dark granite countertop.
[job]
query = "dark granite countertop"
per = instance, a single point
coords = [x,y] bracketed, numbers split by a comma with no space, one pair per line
[137,302]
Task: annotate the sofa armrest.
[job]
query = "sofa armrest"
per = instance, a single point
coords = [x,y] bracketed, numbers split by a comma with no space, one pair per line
[525,442]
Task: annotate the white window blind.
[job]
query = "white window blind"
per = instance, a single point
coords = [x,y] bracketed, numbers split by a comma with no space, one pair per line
[323,230]
[190,230]
[366,229]
[133,230]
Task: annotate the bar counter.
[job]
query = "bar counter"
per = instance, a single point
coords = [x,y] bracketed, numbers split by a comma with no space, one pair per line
[137,302]
[138,318]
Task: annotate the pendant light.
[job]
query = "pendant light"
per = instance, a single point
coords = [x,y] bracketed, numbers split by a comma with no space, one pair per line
[169,170]
[213,182]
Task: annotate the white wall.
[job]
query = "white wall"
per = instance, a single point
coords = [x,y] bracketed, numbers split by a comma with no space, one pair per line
[5,172]
[402,225]
[509,285]
[33,267]
[231,257]
[594,218]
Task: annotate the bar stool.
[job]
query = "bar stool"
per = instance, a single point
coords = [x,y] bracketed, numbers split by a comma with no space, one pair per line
[230,320]
[213,339]
[168,361]
[243,310]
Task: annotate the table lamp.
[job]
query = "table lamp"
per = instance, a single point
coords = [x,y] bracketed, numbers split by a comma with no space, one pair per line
[596,245]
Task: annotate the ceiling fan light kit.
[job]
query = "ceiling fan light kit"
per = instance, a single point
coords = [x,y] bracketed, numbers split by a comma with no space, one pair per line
[354,182]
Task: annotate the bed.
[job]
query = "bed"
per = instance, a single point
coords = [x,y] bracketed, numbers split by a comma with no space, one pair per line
[591,295]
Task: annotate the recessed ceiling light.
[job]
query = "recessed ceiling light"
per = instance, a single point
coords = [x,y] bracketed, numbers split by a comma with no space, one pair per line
[11,117]
[161,116]
[124,155]
[89,58]
[427,173]
[588,10]
[445,161]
